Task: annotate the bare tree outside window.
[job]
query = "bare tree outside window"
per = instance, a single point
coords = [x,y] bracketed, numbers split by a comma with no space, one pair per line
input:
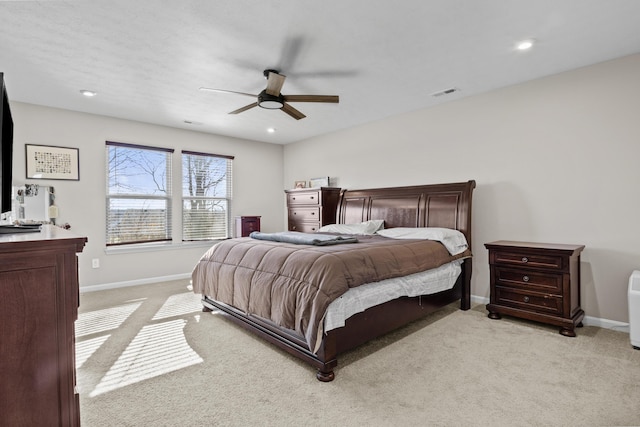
[206,196]
[138,193]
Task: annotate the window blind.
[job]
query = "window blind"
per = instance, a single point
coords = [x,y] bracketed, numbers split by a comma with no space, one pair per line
[138,193]
[206,196]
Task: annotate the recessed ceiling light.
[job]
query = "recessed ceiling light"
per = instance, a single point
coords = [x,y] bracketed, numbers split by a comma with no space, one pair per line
[88,93]
[525,45]
[271,130]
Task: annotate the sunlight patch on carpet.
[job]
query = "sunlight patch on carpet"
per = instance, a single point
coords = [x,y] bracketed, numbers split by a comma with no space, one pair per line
[97,321]
[178,305]
[84,349]
[156,350]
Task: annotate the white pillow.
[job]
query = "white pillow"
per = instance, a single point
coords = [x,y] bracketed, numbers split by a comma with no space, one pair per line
[453,240]
[366,227]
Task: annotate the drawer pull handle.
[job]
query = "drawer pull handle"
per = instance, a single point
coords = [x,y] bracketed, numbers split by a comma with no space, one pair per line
[525,278]
[526,299]
[525,259]
[313,213]
[311,197]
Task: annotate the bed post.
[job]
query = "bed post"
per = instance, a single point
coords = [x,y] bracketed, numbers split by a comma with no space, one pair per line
[465,298]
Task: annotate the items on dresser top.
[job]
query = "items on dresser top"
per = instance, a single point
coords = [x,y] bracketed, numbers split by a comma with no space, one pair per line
[536,281]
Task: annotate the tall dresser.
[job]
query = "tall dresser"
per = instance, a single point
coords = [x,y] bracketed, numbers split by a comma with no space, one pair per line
[311,208]
[38,308]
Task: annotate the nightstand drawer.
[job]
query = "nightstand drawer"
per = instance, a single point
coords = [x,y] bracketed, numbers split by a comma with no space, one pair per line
[530,301]
[304,214]
[528,260]
[306,198]
[529,279]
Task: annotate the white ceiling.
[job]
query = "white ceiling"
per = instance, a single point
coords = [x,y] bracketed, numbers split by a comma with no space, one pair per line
[147,58]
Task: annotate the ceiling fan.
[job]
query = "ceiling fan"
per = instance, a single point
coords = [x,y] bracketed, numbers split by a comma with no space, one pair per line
[272,99]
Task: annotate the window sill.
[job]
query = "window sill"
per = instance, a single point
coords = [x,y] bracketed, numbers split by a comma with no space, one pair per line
[159,246]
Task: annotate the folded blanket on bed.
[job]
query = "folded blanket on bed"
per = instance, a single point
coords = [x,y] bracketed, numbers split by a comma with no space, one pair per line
[299,238]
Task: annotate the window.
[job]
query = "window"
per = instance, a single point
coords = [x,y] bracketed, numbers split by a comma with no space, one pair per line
[138,193]
[206,196]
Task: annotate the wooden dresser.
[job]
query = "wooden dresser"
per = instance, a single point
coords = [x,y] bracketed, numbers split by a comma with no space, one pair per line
[38,308]
[311,208]
[536,281]
[246,224]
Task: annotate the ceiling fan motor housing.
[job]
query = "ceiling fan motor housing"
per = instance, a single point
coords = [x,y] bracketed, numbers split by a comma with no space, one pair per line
[270,102]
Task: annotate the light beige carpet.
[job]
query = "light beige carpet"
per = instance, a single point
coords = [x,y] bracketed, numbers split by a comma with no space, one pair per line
[148,356]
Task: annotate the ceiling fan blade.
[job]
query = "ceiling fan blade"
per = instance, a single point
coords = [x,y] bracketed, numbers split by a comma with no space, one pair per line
[292,112]
[312,98]
[274,83]
[245,108]
[208,89]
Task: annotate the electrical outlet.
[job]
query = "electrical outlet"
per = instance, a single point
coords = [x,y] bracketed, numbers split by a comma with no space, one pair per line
[95,263]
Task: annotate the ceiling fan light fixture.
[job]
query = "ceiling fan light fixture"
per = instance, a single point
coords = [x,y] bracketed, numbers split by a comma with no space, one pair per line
[270,102]
[271,105]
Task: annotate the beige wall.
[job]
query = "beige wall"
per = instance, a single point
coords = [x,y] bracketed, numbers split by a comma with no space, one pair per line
[555,160]
[82,203]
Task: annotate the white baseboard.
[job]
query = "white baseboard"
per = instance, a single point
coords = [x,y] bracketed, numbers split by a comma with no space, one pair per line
[125,284]
[587,321]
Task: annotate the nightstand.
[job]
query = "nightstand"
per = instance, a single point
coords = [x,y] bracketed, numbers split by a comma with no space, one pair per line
[246,224]
[536,281]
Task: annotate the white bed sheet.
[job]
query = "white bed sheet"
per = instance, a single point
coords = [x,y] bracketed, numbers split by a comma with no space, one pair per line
[358,299]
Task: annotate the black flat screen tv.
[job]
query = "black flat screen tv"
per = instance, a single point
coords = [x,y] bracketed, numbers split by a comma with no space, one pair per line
[6,150]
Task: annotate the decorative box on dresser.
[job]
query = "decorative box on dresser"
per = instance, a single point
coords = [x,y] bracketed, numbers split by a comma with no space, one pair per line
[39,305]
[536,281]
[311,208]
[245,225]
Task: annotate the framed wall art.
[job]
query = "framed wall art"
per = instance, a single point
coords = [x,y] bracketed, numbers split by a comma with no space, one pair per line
[319,182]
[49,162]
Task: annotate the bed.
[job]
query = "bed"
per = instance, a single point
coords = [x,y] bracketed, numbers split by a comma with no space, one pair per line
[298,326]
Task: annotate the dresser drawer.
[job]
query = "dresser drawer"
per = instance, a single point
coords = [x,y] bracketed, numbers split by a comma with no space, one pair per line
[304,227]
[530,301]
[529,279]
[528,260]
[304,214]
[306,198]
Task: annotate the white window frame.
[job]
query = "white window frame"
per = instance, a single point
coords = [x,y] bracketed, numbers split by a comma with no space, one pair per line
[142,199]
[205,226]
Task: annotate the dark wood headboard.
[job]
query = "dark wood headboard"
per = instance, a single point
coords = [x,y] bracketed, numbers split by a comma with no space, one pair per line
[437,205]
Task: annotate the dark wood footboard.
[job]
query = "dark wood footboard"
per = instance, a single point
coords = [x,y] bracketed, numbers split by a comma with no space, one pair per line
[359,328]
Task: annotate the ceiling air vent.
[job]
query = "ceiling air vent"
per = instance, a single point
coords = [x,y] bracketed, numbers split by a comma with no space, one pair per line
[445,92]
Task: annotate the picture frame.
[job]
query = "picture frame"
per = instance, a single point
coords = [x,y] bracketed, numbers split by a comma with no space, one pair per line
[300,184]
[319,182]
[52,162]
